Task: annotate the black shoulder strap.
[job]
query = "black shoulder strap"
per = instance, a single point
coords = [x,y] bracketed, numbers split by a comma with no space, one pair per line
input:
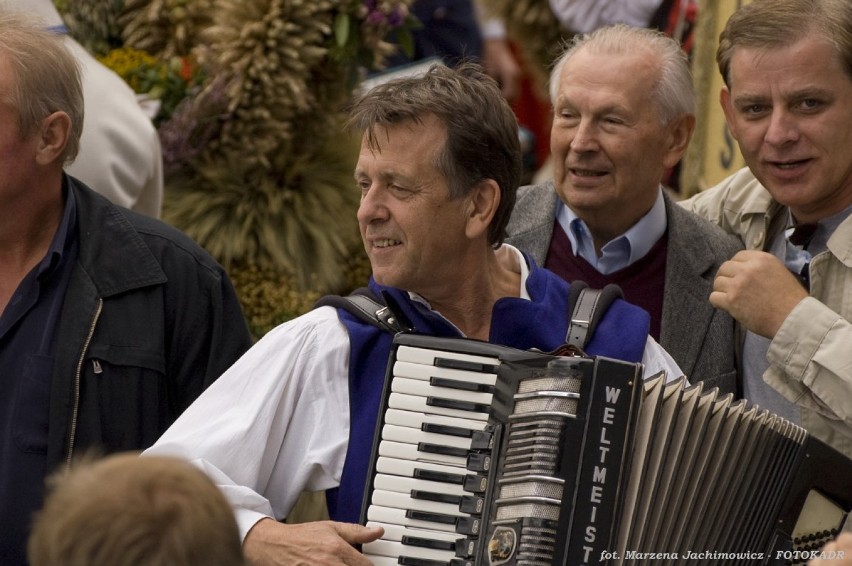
[586,307]
[367,307]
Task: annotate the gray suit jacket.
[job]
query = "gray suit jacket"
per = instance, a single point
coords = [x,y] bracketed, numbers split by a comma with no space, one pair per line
[700,338]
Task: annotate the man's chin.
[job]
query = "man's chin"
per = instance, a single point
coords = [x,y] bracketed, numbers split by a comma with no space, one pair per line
[382,277]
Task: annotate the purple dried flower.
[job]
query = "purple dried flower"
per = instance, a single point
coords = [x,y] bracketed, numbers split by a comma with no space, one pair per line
[375,17]
[195,122]
[395,18]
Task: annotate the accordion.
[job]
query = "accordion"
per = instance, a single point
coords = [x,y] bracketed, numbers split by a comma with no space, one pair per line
[487,455]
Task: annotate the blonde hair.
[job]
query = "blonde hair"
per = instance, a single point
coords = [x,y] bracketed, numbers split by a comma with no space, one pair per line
[126,510]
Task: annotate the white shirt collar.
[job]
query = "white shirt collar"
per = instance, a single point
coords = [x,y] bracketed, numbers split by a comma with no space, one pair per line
[622,251]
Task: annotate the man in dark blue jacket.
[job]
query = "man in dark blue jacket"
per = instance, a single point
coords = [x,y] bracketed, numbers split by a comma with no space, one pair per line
[111,323]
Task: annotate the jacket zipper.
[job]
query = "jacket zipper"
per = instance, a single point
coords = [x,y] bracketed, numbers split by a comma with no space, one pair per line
[77,378]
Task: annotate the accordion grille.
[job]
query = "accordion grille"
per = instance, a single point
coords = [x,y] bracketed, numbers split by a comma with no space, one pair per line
[531,489]
[528,510]
[549,383]
[545,405]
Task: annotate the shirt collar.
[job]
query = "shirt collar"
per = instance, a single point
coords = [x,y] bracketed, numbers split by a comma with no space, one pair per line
[825,228]
[517,263]
[622,251]
[62,238]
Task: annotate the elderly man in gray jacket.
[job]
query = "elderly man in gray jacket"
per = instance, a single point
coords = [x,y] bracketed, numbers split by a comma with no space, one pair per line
[623,114]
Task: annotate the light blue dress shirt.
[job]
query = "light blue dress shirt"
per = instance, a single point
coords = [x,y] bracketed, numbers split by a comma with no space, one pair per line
[622,251]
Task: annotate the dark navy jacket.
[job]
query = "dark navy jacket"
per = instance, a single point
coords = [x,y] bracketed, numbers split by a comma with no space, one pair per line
[149,321]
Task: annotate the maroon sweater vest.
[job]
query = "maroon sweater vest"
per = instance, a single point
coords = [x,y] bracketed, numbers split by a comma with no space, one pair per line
[643,282]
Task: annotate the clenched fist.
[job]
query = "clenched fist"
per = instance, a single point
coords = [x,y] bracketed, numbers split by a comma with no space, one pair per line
[758,290]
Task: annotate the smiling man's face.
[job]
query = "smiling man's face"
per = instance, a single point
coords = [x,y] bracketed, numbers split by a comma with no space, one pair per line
[790,109]
[412,230]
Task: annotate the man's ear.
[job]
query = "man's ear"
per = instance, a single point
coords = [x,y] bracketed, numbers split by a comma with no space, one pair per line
[680,132]
[481,207]
[728,109]
[53,137]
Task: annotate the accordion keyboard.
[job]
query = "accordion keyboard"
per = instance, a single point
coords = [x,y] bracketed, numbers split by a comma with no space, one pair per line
[434,457]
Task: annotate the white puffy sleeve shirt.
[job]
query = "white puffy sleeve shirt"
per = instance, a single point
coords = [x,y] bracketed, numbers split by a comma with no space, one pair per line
[276,423]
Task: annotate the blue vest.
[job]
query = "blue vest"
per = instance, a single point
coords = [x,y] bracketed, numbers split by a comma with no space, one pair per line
[541,322]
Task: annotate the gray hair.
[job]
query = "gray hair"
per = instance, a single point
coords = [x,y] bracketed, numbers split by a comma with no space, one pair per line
[673,90]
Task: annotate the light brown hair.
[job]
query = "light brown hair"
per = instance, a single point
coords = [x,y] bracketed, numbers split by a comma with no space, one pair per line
[776,23]
[47,76]
[125,510]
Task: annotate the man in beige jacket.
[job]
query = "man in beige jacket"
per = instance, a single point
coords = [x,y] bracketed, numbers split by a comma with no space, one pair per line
[787,66]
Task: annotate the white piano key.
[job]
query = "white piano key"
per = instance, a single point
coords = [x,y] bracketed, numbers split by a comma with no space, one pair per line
[425,373]
[404,501]
[414,419]
[428,356]
[405,485]
[426,389]
[382,560]
[396,532]
[410,452]
[418,404]
[391,548]
[413,436]
[394,516]
[406,468]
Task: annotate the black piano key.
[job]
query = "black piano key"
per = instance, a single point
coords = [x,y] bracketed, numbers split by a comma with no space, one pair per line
[439,497]
[482,440]
[461,385]
[431,517]
[466,547]
[471,505]
[468,525]
[445,477]
[441,449]
[410,540]
[478,462]
[475,483]
[465,365]
[447,429]
[457,405]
